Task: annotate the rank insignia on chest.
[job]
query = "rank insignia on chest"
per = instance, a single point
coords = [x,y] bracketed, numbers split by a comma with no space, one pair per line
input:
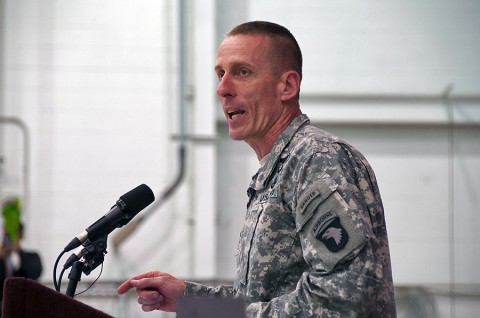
[330,231]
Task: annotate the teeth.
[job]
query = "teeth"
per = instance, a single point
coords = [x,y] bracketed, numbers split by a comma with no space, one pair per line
[235,113]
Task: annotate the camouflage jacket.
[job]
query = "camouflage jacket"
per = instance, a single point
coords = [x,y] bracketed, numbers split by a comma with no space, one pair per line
[314,242]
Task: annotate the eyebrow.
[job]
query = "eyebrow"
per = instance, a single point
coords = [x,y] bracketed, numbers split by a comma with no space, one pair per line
[237,65]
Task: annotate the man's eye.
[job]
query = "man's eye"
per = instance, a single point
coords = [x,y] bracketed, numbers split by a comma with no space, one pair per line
[244,72]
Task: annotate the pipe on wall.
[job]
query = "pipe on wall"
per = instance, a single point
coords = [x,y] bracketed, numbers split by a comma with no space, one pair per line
[26,155]
[184,95]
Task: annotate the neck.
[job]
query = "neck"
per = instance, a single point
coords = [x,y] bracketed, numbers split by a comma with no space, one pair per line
[264,146]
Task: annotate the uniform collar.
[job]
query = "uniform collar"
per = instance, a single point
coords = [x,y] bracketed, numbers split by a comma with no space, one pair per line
[261,179]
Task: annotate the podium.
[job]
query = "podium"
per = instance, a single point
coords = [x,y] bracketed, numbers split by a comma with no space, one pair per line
[26,298]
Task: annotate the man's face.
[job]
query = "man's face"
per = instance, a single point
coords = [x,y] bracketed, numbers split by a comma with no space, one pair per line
[248,88]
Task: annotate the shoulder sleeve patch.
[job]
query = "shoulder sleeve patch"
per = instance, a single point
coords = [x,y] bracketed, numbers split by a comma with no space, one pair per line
[330,231]
[331,235]
[312,197]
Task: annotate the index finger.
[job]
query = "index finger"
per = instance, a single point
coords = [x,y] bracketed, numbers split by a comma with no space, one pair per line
[127,285]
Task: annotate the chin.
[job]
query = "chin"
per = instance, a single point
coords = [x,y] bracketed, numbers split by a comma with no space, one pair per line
[235,136]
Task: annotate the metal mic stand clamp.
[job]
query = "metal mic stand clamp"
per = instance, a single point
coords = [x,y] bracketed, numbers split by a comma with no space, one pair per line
[93,255]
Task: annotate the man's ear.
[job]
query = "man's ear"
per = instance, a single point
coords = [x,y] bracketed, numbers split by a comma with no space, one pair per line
[291,85]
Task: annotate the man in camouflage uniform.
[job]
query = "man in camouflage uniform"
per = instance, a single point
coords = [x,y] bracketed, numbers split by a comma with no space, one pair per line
[314,243]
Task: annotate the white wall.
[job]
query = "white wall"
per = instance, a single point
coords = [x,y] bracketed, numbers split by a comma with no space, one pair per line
[97,84]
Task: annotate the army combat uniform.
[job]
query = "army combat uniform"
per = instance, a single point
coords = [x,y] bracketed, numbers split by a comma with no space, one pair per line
[314,242]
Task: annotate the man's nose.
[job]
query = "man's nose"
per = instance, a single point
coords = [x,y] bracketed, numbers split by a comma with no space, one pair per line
[225,87]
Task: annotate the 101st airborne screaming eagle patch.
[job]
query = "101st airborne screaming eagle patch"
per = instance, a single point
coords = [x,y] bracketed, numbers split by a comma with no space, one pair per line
[330,231]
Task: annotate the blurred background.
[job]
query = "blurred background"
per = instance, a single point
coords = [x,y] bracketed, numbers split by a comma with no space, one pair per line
[97,97]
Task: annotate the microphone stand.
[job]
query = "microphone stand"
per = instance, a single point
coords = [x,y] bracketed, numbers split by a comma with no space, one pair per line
[74,277]
[93,255]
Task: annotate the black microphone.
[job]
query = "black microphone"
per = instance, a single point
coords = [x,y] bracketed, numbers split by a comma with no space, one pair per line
[120,214]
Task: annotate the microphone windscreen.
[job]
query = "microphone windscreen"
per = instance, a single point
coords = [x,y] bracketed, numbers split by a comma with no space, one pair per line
[137,199]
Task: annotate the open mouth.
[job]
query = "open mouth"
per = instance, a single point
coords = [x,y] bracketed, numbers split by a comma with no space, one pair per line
[235,113]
